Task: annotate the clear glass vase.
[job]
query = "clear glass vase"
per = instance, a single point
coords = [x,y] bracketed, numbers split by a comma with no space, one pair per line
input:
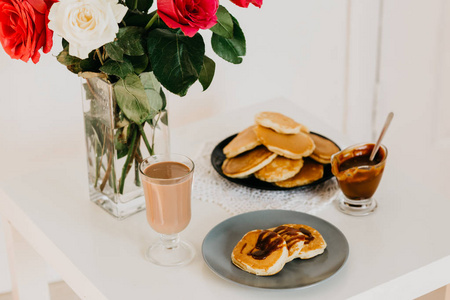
[115,147]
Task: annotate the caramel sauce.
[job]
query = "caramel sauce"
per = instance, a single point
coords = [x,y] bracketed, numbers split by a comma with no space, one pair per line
[358,177]
[290,235]
[309,237]
[268,242]
[243,247]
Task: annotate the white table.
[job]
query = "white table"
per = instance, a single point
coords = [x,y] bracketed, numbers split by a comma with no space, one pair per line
[400,252]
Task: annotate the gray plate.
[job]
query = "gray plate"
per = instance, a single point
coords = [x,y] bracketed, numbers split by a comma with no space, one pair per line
[220,241]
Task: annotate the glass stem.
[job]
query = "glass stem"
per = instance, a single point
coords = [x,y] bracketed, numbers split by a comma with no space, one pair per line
[170,241]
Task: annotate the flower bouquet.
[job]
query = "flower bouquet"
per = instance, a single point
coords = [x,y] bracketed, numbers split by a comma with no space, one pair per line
[126,54]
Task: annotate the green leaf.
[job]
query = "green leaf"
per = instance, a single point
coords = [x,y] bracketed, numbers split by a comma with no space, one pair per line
[64,43]
[114,51]
[120,69]
[136,19]
[67,60]
[71,62]
[144,5]
[152,89]
[232,49]
[132,99]
[207,72]
[133,18]
[176,59]
[121,138]
[224,26]
[129,39]
[165,119]
[89,65]
[75,68]
[149,81]
[141,5]
[139,63]
[163,97]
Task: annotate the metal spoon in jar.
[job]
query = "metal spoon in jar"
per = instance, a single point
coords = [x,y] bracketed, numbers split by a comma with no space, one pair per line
[383,131]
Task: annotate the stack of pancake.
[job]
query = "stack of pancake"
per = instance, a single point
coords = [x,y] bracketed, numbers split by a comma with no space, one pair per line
[279,150]
[265,252]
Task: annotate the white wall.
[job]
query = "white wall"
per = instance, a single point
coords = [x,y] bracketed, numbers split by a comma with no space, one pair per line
[414,83]
[295,49]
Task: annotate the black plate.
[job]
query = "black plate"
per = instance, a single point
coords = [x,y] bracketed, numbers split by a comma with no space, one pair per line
[217,159]
[220,241]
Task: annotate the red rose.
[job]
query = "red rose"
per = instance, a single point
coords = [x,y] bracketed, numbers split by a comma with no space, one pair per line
[245,3]
[23,28]
[189,15]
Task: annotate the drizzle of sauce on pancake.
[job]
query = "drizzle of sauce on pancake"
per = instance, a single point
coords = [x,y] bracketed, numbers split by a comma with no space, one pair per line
[268,242]
[290,235]
[309,236]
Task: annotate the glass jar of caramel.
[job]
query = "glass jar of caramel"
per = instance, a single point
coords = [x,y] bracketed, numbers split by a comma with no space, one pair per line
[358,177]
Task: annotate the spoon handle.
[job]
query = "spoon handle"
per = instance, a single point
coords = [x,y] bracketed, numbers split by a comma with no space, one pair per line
[383,131]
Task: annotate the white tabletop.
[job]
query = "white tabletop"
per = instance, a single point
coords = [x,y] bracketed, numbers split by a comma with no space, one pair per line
[400,252]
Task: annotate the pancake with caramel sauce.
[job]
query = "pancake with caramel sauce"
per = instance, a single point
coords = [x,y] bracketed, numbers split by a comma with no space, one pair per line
[293,146]
[244,141]
[279,122]
[324,149]
[281,168]
[310,172]
[294,239]
[314,242]
[260,252]
[247,163]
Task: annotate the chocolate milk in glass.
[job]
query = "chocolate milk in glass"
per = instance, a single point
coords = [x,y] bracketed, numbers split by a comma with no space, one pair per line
[167,187]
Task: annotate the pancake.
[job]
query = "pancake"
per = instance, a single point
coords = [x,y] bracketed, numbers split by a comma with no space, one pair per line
[281,168]
[244,141]
[324,149]
[260,252]
[293,146]
[247,163]
[279,122]
[310,172]
[314,242]
[294,239]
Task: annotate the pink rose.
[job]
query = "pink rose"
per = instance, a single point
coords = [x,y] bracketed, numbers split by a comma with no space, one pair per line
[189,15]
[23,28]
[245,3]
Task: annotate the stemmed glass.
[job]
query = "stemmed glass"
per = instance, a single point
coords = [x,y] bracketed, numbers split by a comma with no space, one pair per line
[167,183]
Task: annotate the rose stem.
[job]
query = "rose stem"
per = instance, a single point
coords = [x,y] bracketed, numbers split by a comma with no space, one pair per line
[100,161]
[137,182]
[127,165]
[152,20]
[144,137]
[108,171]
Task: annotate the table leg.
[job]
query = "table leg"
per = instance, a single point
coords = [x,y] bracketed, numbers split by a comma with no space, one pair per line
[28,269]
[447,292]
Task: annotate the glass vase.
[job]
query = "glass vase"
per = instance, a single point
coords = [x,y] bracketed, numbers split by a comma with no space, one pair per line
[115,147]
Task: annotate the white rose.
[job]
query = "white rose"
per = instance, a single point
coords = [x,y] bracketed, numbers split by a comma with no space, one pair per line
[86,24]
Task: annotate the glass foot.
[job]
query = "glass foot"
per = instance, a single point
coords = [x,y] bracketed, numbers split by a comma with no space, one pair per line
[356,208]
[173,254]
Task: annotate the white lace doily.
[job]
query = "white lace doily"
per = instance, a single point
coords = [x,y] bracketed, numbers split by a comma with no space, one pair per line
[209,186]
